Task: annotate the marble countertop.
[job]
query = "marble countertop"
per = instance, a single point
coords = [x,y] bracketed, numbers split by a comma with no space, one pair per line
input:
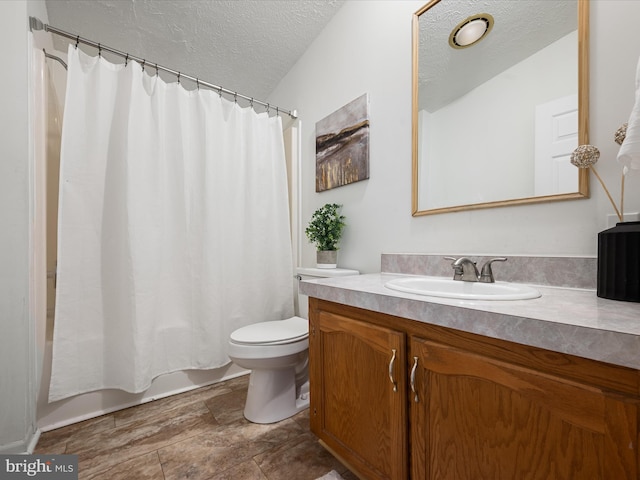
[567,320]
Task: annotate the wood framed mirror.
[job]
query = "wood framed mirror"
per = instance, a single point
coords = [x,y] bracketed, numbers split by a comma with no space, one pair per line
[494,123]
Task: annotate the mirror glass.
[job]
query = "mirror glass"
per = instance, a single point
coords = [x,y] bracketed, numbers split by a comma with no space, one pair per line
[495,122]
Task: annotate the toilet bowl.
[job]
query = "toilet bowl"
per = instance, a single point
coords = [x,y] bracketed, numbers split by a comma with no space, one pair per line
[277,353]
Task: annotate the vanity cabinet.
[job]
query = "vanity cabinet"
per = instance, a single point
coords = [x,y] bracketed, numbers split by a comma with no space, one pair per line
[464,406]
[359,414]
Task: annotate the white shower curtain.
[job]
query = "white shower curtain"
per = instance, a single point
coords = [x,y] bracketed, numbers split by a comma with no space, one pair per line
[173,228]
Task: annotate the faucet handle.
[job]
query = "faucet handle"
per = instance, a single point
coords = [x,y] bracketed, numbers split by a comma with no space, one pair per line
[486,275]
[453,264]
[457,269]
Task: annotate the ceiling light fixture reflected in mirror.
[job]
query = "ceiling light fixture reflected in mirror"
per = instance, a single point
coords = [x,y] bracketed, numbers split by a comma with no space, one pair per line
[471,30]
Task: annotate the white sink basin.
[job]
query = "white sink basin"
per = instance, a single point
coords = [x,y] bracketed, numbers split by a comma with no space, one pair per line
[448,288]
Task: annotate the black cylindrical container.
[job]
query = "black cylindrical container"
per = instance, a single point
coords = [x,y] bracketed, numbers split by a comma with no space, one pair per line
[619,262]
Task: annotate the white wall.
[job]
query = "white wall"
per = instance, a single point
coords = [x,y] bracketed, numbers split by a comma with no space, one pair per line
[367,48]
[17,375]
[22,298]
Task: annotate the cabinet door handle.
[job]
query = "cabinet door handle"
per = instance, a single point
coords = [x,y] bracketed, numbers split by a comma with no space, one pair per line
[391,365]
[413,378]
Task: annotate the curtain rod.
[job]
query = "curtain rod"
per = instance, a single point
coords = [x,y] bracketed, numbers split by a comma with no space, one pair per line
[57,59]
[36,24]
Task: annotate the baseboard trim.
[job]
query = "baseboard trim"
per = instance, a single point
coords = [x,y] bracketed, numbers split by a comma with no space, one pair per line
[22,447]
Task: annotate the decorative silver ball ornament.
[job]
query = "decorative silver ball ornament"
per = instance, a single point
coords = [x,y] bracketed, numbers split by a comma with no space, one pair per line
[621,133]
[584,156]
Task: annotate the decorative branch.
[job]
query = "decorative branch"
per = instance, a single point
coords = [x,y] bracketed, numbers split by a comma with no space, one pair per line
[606,190]
[586,156]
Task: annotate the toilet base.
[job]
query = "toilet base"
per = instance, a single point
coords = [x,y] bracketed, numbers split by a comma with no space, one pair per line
[273,395]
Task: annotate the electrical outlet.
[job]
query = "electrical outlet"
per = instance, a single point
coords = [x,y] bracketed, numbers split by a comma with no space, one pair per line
[612,218]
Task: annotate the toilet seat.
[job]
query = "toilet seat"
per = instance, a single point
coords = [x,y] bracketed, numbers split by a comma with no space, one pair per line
[278,332]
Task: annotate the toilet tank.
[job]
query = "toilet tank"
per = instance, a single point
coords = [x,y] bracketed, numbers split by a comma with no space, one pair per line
[302,307]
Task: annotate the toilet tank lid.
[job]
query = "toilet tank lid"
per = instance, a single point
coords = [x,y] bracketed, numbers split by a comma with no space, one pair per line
[326,272]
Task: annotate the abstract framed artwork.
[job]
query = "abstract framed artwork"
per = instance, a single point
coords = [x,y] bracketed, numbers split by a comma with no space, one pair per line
[342,146]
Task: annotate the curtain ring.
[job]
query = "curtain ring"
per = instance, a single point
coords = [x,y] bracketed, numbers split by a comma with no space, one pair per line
[99,50]
[77,41]
[198,83]
[178,77]
[235,97]
[143,64]
[126,60]
[278,111]
[156,69]
[268,108]
[251,102]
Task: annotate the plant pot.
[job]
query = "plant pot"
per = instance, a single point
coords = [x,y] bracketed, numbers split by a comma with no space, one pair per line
[619,262]
[327,258]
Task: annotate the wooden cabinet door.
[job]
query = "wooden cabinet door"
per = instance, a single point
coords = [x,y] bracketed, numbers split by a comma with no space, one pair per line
[358,397]
[476,417]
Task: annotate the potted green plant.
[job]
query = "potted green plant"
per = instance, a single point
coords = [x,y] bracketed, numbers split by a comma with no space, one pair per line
[325,230]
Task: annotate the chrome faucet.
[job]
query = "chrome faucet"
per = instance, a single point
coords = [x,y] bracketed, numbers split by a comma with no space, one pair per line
[465,270]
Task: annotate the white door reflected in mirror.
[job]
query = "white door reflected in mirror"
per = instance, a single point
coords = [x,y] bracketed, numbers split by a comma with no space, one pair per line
[556,138]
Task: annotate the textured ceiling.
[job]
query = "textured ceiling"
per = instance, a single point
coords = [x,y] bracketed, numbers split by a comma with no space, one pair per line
[522,27]
[249,45]
[246,46]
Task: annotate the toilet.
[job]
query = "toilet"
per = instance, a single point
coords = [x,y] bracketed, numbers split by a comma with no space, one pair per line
[277,353]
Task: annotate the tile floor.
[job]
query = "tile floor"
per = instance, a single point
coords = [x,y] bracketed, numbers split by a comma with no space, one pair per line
[199,435]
